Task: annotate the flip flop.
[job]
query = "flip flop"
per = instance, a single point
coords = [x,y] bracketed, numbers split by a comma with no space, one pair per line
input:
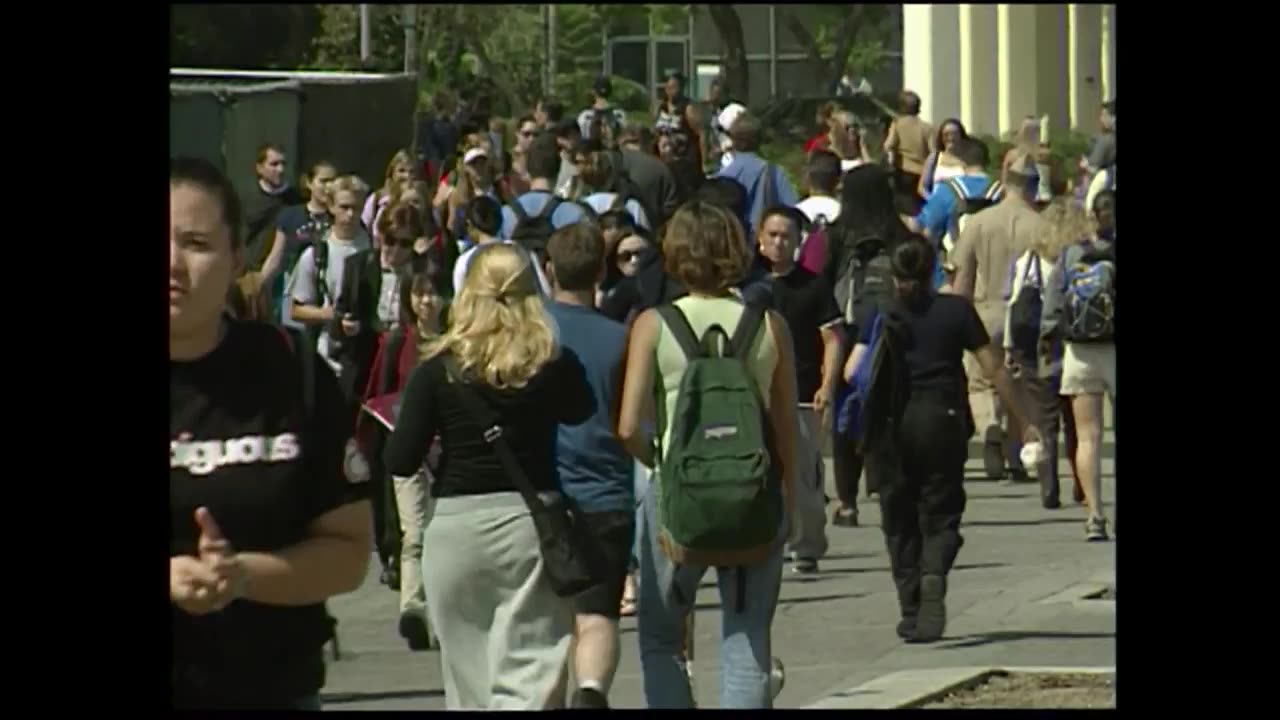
[628,607]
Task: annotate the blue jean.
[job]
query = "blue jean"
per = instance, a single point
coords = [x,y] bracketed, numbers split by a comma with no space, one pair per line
[667,595]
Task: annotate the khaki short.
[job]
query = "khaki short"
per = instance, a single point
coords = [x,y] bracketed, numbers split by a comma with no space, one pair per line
[1089,369]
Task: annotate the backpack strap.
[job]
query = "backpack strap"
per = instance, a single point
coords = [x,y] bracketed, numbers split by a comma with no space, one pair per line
[320,261]
[619,203]
[994,192]
[748,327]
[958,188]
[518,208]
[680,328]
[549,210]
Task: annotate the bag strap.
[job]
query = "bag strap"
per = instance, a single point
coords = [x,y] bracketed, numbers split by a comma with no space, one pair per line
[748,327]
[994,191]
[518,209]
[549,209]
[680,328]
[766,187]
[475,406]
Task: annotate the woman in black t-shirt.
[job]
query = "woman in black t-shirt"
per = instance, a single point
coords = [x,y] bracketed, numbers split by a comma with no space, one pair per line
[504,634]
[918,429]
[258,436]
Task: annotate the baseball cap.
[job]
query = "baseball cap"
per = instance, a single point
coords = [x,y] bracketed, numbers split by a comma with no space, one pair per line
[729,115]
[474,154]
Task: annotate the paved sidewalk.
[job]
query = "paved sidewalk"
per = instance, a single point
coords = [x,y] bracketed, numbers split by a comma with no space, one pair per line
[835,631]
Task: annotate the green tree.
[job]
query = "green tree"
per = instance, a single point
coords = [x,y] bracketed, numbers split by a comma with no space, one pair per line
[842,37]
[243,37]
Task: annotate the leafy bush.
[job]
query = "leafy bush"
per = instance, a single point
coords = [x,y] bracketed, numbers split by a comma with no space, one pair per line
[574,90]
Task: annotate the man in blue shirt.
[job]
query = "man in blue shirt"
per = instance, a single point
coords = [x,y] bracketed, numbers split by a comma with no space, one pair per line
[748,168]
[935,218]
[544,167]
[593,468]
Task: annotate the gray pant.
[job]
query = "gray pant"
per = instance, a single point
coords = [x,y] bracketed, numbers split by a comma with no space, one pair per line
[504,635]
[808,536]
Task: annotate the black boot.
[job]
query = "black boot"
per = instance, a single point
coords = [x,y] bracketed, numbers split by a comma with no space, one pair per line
[907,628]
[932,619]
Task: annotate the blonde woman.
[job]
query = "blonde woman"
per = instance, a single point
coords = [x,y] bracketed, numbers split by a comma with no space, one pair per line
[846,140]
[1040,375]
[399,171]
[503,633]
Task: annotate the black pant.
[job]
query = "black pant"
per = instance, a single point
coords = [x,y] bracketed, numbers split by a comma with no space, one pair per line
[1053,411]
[921,473]
[386,516]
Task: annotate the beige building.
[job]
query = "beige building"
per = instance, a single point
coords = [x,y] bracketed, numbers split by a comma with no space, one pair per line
[993,65]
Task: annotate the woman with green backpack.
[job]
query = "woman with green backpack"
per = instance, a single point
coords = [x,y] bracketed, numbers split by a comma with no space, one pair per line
[721,377]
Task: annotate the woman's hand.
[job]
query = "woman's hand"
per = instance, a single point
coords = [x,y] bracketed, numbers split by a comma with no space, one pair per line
[212,581]
[191,585]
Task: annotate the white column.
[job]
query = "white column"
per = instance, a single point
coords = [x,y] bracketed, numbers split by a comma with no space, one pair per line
[931,58]
[1016,64]
[1108,52]
[1085,50]
[978,74]
[1052,67]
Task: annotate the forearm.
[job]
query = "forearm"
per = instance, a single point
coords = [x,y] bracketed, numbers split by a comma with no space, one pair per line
[640,447]
[272,264]
[1010,397]
[307,573]
[830,360]
[310,314]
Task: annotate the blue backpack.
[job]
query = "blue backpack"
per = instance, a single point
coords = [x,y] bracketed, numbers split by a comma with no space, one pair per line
[850,407]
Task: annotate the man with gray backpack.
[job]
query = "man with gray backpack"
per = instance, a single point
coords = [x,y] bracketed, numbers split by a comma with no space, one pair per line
[721,375]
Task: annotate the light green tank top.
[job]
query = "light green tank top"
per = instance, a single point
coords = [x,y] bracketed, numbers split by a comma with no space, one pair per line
[702,313]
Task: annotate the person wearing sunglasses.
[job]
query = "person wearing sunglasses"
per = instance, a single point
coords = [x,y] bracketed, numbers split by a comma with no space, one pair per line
[368,309]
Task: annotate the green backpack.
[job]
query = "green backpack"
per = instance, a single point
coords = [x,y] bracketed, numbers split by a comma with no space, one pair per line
[720,493]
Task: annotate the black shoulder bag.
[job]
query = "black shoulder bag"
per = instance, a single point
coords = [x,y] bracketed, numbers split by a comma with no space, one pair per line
[568,553]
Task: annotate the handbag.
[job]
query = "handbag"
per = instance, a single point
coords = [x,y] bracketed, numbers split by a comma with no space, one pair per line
[568,552]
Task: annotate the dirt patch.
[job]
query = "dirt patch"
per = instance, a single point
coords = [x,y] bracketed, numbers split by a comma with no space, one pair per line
[1035,690]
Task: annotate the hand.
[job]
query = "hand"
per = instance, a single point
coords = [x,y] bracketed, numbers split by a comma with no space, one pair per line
[192,585]
[327,313]
[216,554]
[1032,434]
[822,401]
[350,327]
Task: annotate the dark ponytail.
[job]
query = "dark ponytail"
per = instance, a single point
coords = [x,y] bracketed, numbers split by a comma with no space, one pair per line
[912,262]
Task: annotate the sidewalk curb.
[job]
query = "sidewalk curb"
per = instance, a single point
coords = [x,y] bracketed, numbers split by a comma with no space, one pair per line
[914,688]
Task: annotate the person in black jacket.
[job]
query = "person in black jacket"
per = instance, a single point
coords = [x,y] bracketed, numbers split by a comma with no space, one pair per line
[267,521]
[369,308]
[917,429]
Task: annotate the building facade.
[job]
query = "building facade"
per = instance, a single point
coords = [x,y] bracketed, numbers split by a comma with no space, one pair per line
[991,66]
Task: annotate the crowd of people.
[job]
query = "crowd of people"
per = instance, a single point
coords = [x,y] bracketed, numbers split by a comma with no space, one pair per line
[554,383]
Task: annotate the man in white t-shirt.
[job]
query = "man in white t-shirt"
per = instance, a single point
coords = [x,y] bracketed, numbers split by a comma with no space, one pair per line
[823,174]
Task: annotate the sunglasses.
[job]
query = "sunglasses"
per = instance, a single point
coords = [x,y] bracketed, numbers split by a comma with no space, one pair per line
[629,256]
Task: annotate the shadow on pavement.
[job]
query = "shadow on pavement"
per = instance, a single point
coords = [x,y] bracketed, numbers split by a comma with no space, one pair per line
[351,697]
[792,601]
[1017,523]
[981,639]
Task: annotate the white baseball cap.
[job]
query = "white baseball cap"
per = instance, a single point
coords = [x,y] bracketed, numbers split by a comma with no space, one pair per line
[729,115]
[473,154]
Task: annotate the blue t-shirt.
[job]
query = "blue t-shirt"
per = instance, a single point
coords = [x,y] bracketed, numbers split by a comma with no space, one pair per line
[748,169]
[533,202]
[593,468]
[936,214]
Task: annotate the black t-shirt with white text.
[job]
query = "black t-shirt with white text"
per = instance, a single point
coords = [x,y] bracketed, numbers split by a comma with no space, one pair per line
[240,445]
[808,304]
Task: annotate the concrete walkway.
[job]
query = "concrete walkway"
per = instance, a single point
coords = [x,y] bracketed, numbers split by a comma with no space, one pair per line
[1010,603]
